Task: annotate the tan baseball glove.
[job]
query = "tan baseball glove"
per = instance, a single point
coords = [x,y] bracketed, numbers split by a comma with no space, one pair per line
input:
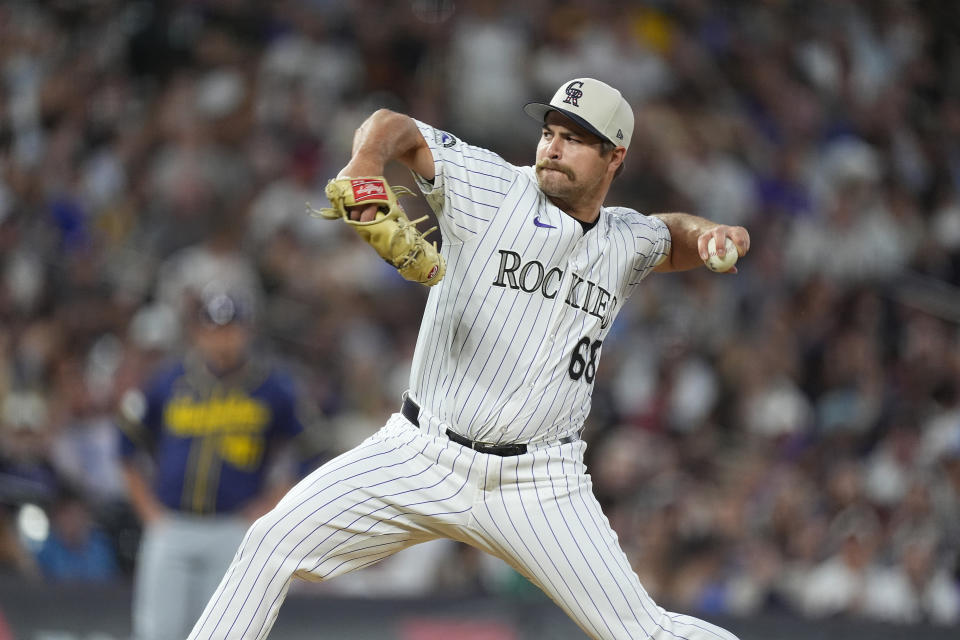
[394,236]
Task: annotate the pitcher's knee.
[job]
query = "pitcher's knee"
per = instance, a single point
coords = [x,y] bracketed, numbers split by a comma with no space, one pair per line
[264,536]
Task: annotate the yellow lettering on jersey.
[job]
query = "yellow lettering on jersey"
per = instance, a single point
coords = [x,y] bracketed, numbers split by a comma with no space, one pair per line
[232,413]
[236,420]
[241,451]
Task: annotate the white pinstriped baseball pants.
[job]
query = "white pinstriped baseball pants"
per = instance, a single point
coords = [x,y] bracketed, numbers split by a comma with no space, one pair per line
[403,486]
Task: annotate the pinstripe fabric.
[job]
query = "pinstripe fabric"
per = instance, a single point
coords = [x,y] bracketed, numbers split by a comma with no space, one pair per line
[496,360]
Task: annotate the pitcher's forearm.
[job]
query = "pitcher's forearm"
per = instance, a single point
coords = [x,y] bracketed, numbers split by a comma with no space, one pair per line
[386,136]
[689,235]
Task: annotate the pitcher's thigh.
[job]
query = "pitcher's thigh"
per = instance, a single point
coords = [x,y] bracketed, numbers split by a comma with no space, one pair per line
[348,513]
[345,515]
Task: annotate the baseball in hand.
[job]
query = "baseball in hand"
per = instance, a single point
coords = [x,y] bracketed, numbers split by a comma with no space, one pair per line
[716,263]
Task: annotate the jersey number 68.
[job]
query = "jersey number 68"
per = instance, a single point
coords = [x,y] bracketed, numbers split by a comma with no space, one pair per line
[579,365]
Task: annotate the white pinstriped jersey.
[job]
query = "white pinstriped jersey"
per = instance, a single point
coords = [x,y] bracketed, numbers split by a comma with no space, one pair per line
[511,337]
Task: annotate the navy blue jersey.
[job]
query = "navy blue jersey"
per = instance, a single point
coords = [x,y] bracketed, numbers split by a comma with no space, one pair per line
[210,436]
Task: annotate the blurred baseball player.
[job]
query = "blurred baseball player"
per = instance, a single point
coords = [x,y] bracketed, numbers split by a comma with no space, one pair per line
[210,423]
[486,448]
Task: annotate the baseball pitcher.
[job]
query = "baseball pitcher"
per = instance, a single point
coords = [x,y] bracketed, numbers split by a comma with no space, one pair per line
[486,447]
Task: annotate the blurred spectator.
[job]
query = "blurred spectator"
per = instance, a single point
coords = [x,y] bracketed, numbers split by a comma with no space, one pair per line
[83,448]
[282,203]
[75,549]
[488,83]
[26,470]
[858,239]
[839,583]
[915,589]
[187,273]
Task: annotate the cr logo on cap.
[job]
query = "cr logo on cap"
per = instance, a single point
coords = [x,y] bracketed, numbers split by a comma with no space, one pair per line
[573,93]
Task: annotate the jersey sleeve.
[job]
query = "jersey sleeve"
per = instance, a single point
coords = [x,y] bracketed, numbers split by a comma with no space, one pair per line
[651,241]
[468,187]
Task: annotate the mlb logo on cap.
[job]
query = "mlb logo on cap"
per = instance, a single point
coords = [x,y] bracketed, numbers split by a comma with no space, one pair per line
[594,105]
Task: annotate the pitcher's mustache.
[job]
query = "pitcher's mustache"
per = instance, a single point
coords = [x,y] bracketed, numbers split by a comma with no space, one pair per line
[546,164]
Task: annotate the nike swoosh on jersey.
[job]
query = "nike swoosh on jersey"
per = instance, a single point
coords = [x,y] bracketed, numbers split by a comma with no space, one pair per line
[544,225]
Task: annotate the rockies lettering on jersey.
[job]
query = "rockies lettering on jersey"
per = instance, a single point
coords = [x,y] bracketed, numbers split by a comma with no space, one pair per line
[543,281]
[525,289]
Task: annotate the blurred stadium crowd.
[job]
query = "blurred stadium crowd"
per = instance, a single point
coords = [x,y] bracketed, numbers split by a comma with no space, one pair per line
[787,438]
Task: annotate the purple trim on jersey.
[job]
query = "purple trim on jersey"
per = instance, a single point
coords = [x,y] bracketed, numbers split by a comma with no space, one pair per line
[583,331]
[434,360]
[570,337]
[433,381]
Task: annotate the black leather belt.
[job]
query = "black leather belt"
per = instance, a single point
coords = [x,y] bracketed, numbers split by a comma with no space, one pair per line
[411,411]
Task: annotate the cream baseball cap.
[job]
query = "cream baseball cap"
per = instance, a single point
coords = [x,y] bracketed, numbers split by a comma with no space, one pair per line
[594,105]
